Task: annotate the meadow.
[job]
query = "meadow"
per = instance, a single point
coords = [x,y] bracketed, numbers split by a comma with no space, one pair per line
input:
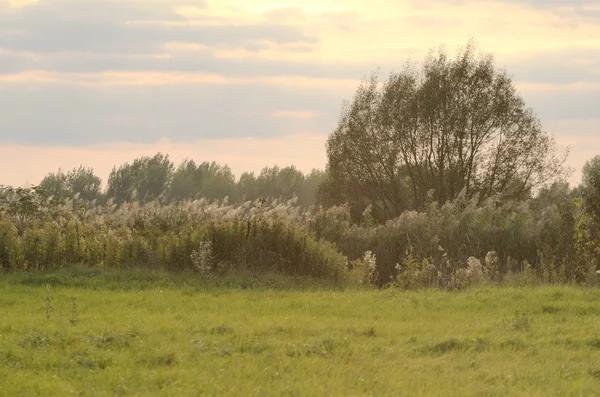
[94,332]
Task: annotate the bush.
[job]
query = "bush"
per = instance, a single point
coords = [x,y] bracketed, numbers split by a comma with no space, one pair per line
[442,246]
[192,235]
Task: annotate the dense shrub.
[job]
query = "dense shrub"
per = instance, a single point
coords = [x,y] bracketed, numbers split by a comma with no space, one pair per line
[443,238]
[167,236]
[438,247]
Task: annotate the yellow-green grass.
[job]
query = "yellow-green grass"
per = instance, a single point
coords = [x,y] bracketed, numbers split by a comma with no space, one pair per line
[92,333]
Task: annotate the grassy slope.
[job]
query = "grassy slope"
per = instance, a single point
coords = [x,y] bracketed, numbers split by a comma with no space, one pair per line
[151,334]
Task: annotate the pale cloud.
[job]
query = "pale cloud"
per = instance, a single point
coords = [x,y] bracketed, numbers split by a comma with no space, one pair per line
[78,114]
[125,78]
[80,73]
[328,31]
[356,30]
[16,4]
[581,136]
[294,114]
[109,27]
[358,35]
[556,89]
[558,103]
[263,50]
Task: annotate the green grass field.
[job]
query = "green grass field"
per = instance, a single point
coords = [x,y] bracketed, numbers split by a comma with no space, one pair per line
[90,333]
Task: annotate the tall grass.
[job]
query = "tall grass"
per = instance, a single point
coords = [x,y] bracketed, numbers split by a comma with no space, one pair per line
[417,249]
[166,237]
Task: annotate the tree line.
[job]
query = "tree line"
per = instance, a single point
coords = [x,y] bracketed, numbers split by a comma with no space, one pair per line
[150,178]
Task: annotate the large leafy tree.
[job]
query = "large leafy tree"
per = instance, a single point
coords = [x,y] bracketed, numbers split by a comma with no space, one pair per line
[79,181]
[590,188]
[247,187]
[187,181]
[146,179]
[218,181]
[278,182]
[284,183]
[456,125]
[308,193]
[205,180]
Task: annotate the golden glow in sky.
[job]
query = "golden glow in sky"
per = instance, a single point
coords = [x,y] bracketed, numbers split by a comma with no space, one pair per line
[83,73]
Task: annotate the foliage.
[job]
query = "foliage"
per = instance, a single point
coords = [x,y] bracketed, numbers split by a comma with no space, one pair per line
[437,243]
[281,183]
[585,268]
[206,180]
[218,181]
[437,247]
[145,179]
[151,178]
[455,127]
[434,248]
[80,182]
[202,258]
[27,206]
[591,188]
[364,270]
[177,236]
[187,181]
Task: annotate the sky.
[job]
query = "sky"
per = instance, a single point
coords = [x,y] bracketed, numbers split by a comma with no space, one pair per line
[260,82]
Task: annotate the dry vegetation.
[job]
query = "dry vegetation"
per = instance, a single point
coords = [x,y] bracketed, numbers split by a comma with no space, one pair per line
[449,246]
